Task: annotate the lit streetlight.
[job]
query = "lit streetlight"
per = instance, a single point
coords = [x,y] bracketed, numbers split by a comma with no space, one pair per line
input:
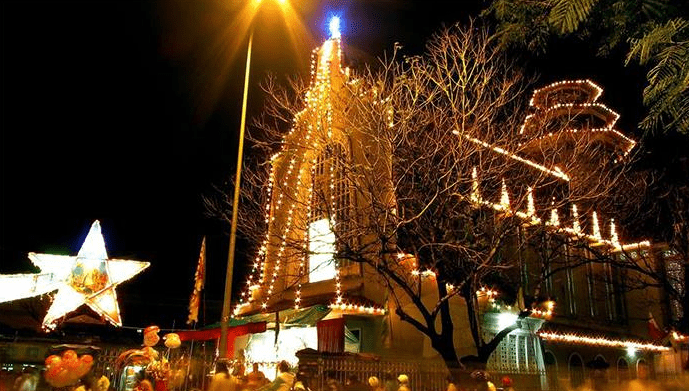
[225,317]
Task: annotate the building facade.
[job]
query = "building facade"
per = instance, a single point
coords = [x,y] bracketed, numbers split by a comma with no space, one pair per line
[594,320]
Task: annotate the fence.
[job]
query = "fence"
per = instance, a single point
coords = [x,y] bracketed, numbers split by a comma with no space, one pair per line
[424,375]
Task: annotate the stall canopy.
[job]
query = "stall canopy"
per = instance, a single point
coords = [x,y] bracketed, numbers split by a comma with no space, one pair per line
[214,333]
[256,323]
[303,316]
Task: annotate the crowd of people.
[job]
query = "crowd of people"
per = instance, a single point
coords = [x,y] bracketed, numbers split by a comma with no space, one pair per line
[233,378]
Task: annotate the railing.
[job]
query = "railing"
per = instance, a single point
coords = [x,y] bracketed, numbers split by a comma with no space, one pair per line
[424,375]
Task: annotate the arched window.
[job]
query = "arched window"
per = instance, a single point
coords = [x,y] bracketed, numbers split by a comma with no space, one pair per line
[643,371]
[551,370]
[622,371]
[576,370]
[330,205]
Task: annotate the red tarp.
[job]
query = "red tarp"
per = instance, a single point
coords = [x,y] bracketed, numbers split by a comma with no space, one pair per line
[232,333]
[331,335]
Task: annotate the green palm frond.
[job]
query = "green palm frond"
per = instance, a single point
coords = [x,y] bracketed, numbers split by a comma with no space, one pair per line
[654,8]
[566,15]
[645,48]
[667,95]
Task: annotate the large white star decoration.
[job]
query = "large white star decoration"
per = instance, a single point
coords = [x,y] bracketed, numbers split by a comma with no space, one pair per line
[89,278]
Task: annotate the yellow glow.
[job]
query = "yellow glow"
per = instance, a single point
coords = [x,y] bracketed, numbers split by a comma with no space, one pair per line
[575,219]
[597,341]
[596,227]
[556,171]
[504,197]
[554,218]
[353,308]
[334,27]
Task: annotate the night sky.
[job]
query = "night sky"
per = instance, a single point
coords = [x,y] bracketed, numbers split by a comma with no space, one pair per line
[128,112]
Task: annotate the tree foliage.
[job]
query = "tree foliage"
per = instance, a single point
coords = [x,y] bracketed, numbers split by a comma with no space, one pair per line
[439,191]
[654,30]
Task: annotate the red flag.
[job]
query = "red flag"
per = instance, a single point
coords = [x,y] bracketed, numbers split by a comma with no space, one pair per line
[654,330]
[199,279]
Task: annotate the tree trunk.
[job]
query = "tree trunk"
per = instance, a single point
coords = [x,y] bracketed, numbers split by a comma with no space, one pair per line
[445,346]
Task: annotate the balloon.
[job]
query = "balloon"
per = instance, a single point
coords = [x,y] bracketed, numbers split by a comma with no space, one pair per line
[102,384]
[172,340]
[59,377]
[150,353]
[53,360]
[83,369]
[87,358]
[51,373]
[151,335]
[71,364]
[69,354]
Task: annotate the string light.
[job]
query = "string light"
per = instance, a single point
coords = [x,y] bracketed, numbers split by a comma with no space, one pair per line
[504,197]
[679,337]
[554,218]
[556,171]
[475,192]
[315,122]
[596,228]
[586,85]
[358,308]
[575,230]
[539,100]
[599,341]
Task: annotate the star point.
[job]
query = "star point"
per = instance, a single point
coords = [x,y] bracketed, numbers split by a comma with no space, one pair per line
[89,278]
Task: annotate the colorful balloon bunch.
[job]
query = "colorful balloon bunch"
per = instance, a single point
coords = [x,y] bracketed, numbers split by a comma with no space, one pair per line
[66,369]
[172,340]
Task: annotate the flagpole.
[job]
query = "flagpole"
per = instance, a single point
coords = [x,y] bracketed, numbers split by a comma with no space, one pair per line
[225,318]
[191,355]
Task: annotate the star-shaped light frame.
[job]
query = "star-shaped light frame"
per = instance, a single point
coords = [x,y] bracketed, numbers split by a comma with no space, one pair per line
[89,278]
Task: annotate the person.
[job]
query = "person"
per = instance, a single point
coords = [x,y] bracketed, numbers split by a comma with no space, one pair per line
[283,381]
[404,383]
[27,381]
[144,385]
[331,381]
[301,382]
[390,384]
[222,381]
[482,381]
[450,383]
[255,378]
[353,384]
[642,381]
[507,383]
[374,384]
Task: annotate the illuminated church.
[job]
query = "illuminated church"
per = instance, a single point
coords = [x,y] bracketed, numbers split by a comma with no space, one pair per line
[296,282]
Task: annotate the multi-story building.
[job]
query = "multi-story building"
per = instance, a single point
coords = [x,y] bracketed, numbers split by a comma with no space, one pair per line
[296,278]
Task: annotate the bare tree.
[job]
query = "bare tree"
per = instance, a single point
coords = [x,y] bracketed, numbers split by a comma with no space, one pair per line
[442,187]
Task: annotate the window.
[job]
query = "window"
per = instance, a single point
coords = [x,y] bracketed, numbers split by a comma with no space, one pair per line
[570,294]
[622,371]
[576,371]
[321,250]
[551,370]
[329,224]
[590,282]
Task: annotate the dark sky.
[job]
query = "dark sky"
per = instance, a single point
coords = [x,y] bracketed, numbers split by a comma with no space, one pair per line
[127,112]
